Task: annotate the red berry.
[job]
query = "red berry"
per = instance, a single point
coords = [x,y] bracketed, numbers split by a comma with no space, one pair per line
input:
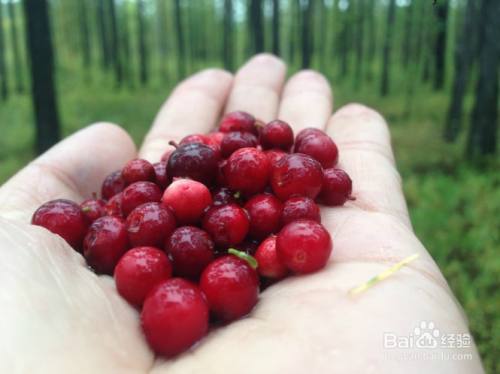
[112,185]
[149,225]
[236,140]
[64,218]
[174,316]
[203,139]
[195,161]
[274,155]
[191,250]
[297,175]
[304,246]
[114,206]
[238,121]
[265,215]
[138,170]
[300,207]
[247,171]
[306,132]
[276,134]
[216,137]
[105,243]
[188,200]
[228,225]
[231,287]
[337,187]
[139,193]
[162,178]
[270,265]
[319,147]
[93,209]
[138,271]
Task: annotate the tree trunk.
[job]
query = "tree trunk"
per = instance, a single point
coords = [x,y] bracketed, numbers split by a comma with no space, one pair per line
[307,37]
[103,34]
[227,48]
[43,91]
[125,54]
[372,31]
[360,20]
[256,26]
[162,38]
[482,138]
[386,64]
[84,34]
[276,27]
[4,90]
[16,51]
[441,11]
[115,47]
[408,31]
[142,49]
[181,55]
[465,52]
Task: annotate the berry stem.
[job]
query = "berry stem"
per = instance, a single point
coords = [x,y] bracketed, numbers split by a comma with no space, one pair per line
[244,256]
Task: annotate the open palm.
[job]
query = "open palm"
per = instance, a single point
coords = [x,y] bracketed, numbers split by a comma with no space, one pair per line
[59,317]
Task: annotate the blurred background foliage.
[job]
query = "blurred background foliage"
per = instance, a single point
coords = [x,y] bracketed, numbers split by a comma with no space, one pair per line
[430,69]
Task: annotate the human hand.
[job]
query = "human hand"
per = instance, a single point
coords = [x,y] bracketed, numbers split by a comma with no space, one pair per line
[57,316]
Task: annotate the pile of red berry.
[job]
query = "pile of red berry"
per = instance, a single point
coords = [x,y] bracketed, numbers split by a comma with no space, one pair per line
[193,235]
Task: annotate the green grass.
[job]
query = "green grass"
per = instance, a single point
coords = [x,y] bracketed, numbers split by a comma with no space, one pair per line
[454,203]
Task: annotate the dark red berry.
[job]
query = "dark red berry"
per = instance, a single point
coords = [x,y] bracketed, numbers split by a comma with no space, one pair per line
[93,209]
[274,155]
[174,316]
[216,137]
[195,161]
[224,196]
[306,132]
[270,265]
[139,193]
[228,224]
[321,148]
[265,215]
[238,121]
[191,250]
[247,171]
[64,218]
[337,187]
[304,246]
[297,175]
[139,271]
[112,185]
[105,243]
[276,134]
[188,199]
[300,207]
[162,178]
[203,139]
[150,224]
[231,287]
[114,206]
[138,170]
[236,140]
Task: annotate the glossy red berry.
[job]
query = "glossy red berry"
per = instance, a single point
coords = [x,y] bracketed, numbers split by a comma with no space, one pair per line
[306,132]
[112,185]
[203,139]
[114,206]
[297,175]
[321,148]
[174,316]
[139,193]
[105,243]
[276,134]
[247,171]
[93,209]
[64,218]
[195,161]
[238,121]
[235,140]
[304,246]
[216,137]
[231,287]
[337,187]
[162,178]
[150,224]
[191,250]
[300,207]
[274,155]
[265,215]
[188,200]
[270,265]
[138,170]
[139,271]
[228,224]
